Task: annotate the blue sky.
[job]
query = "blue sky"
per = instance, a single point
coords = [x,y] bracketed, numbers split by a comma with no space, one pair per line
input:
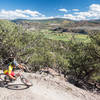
[43,9]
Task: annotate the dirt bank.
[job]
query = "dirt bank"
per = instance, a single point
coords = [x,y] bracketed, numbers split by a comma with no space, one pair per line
[46,87]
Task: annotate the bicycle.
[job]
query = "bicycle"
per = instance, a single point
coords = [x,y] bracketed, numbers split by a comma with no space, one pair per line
[5,80]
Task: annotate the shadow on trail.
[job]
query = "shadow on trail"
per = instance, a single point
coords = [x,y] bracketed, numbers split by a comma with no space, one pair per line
[85,85]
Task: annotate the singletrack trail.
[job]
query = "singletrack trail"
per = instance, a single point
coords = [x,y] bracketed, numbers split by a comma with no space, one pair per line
[46,87]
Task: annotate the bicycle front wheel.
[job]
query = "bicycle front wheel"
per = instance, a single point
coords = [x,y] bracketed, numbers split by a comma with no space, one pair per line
[25,81]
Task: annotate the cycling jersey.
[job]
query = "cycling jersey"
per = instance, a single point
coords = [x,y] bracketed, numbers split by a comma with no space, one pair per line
[9,71]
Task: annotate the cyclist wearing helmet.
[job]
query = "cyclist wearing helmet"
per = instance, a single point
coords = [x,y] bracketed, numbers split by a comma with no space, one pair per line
[11,66]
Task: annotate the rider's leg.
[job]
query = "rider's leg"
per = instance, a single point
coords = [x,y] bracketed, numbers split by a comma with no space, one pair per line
[7,79]
[12,74]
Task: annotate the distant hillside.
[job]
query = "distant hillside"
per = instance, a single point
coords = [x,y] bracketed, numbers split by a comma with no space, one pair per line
[41,24]
[70,23]
[53,20]
[60,25]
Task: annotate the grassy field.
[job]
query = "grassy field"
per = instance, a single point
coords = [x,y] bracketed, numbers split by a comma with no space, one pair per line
[68,37]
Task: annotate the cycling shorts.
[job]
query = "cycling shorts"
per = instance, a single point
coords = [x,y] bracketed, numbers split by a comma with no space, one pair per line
[6,73]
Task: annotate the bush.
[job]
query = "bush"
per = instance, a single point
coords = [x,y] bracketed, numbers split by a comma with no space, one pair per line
[84,60]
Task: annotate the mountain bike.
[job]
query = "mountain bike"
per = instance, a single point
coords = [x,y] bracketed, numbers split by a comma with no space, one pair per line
[7,82]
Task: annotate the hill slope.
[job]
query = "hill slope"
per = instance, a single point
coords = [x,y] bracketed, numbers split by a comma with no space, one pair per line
[46,87]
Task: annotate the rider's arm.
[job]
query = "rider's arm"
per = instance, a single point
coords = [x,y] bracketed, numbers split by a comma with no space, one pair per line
[20,66]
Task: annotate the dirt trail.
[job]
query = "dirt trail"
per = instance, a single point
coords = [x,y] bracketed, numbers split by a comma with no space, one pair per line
[46,87]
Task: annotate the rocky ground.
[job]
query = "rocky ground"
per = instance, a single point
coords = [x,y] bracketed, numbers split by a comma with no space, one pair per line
[46,87]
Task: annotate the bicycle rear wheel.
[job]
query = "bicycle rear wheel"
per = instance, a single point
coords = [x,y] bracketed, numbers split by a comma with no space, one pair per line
[3,82]
[2,76]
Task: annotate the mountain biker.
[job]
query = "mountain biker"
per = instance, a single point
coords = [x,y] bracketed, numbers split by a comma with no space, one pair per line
[11,66]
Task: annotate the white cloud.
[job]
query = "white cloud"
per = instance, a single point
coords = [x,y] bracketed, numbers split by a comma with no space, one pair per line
[63,10]
[75,9]
[95,7]
[92,13]
[72,17]
[15,14]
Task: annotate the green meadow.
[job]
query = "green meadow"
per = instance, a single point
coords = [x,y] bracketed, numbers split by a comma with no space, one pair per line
[68,37]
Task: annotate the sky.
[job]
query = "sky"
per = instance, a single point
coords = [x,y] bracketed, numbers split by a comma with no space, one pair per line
[45,9]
